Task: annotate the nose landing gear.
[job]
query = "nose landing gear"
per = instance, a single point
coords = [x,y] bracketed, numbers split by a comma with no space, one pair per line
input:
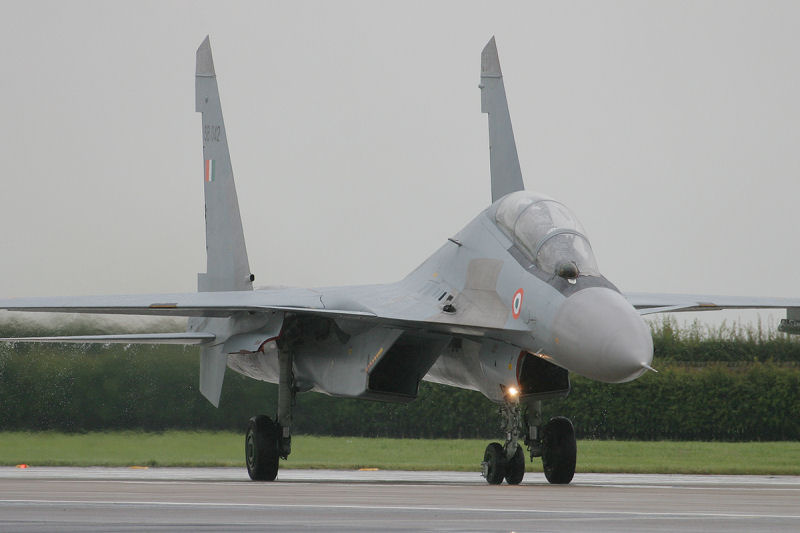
[493,467]
[506,461]
[554,442]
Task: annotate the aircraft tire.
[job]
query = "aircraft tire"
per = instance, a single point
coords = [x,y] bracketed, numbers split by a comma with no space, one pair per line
[515,467]
[559,450]
[495,459]
[261,448]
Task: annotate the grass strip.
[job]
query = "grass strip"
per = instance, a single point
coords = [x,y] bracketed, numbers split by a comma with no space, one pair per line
[186,448]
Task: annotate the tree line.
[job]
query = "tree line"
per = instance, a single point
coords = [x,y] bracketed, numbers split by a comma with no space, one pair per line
[707,388]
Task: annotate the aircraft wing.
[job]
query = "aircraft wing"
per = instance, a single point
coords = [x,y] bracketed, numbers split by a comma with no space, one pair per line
[409,314]
[197,304]
[387,305]
[648,303]
[127,338]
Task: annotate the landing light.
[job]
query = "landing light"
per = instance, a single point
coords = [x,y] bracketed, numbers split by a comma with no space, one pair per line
[512,392]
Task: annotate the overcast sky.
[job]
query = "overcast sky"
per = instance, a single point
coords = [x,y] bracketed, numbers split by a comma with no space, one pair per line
[671,129]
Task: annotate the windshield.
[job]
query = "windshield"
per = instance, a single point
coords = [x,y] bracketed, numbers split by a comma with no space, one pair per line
[546,231]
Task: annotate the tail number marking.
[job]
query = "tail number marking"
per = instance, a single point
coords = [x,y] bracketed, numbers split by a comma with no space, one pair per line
[211,133]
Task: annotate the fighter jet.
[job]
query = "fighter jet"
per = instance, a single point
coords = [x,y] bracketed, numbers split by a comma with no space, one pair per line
[508,306]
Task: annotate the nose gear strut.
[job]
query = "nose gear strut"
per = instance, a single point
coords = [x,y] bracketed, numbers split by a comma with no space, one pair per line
[554,442]
[506,461]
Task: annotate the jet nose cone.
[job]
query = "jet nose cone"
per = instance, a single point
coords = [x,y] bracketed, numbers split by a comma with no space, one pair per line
[598,334]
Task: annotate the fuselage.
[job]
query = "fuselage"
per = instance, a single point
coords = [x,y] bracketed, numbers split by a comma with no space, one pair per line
[495,294]
[582,324]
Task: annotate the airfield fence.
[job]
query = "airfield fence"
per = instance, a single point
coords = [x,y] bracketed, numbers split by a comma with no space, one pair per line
[744,388]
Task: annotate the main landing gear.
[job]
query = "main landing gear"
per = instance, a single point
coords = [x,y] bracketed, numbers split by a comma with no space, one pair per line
[262,449]
[554,442]
[266,440]
[558,450]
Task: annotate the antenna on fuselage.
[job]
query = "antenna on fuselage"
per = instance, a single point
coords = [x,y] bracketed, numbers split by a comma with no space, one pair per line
[503,159]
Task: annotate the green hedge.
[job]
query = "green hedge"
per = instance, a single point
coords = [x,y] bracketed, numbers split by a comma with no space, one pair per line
[76,388]
[727,383]
[69,388]
[726,342]
[759,401]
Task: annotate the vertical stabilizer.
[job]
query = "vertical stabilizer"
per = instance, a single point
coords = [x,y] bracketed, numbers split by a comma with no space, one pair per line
[227,266]
[503,160]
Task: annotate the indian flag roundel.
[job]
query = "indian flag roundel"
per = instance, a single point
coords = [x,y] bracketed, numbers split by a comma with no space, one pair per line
[516,304]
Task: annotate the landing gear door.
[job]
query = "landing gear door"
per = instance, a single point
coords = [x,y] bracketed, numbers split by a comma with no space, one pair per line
[499,362]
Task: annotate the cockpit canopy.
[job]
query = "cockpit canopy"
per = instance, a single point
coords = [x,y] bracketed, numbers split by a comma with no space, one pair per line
[546,232]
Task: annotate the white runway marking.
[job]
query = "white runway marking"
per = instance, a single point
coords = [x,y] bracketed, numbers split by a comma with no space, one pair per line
[388,476]
[482,510]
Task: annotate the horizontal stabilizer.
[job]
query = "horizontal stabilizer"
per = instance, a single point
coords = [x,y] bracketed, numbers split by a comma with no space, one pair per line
[138,338]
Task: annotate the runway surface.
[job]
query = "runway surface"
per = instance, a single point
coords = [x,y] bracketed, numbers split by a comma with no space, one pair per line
[223,499]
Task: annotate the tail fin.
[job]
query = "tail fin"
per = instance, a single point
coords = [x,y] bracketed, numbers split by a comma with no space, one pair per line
[227,265]
[503,159]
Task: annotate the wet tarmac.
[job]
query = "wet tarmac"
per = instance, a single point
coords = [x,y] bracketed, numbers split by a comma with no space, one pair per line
[224,499]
